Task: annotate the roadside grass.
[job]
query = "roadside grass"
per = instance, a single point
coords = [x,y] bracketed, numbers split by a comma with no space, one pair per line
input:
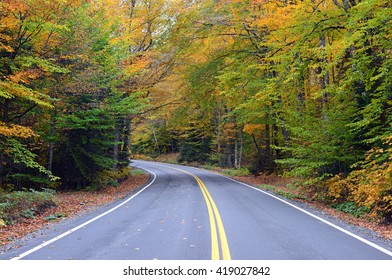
[168,158]
[136,172]
[289,194]
[231,172]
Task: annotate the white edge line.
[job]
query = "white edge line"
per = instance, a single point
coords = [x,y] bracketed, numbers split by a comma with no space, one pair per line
[316,217]
[86,223]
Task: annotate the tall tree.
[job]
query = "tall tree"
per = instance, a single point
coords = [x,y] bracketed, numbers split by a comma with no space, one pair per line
[27,33]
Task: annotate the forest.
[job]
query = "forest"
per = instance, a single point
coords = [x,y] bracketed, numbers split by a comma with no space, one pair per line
[299,88]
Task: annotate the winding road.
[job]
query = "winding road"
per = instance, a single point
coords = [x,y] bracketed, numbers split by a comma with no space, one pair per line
[186,213]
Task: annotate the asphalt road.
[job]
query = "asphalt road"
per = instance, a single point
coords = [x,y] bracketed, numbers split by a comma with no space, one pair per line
[187,213]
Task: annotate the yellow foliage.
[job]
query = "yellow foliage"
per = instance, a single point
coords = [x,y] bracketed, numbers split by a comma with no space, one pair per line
[13,130]
[336,188]
[5,47]
[137,66]
[250,128]
[370,186]
[11,89]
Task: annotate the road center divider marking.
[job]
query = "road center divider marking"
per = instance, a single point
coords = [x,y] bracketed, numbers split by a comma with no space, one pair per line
[214,235]
[215,222]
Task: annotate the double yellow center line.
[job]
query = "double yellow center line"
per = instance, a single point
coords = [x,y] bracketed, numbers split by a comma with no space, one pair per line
[218,234]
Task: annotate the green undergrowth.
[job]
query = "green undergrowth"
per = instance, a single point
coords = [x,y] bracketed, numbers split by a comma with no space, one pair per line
[109,177]
[53,217]
[243,171]
[352,208]
[287,194]
[236,172]
[19,205]
[136,172]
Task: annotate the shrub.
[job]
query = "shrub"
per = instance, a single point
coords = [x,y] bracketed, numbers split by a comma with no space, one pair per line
[107,178]
[24,204]
[243,171]
[370,185]
[351,208]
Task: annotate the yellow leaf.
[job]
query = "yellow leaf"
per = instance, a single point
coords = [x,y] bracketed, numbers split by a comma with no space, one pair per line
[13,130]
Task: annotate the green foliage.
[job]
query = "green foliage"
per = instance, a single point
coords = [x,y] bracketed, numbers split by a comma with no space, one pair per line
[45,65]
[136,172]
[194,150]
[21,155]
[64,91]
[351,208]
[22,167]
[236,172]
[53,217]
[195,147]
[24,204]
[323,144]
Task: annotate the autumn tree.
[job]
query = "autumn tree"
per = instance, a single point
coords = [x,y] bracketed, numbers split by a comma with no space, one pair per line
[295,86]
[66,91]
[27,33]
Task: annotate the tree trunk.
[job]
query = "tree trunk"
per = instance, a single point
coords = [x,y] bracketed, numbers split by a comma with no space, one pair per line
[241,148]
[219,135]
[267,154]
[2,159]
[324,79]
[156,140]
[126,136]
[116,147]
[131,9]
[51,141]
[236,150]
[229,155]
[50,156]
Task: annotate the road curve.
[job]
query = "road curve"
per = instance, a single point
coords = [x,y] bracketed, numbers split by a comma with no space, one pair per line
[186,213]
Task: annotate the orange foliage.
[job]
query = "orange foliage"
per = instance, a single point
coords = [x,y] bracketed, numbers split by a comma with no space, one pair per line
[251,128]
[371,185]
[13,130]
